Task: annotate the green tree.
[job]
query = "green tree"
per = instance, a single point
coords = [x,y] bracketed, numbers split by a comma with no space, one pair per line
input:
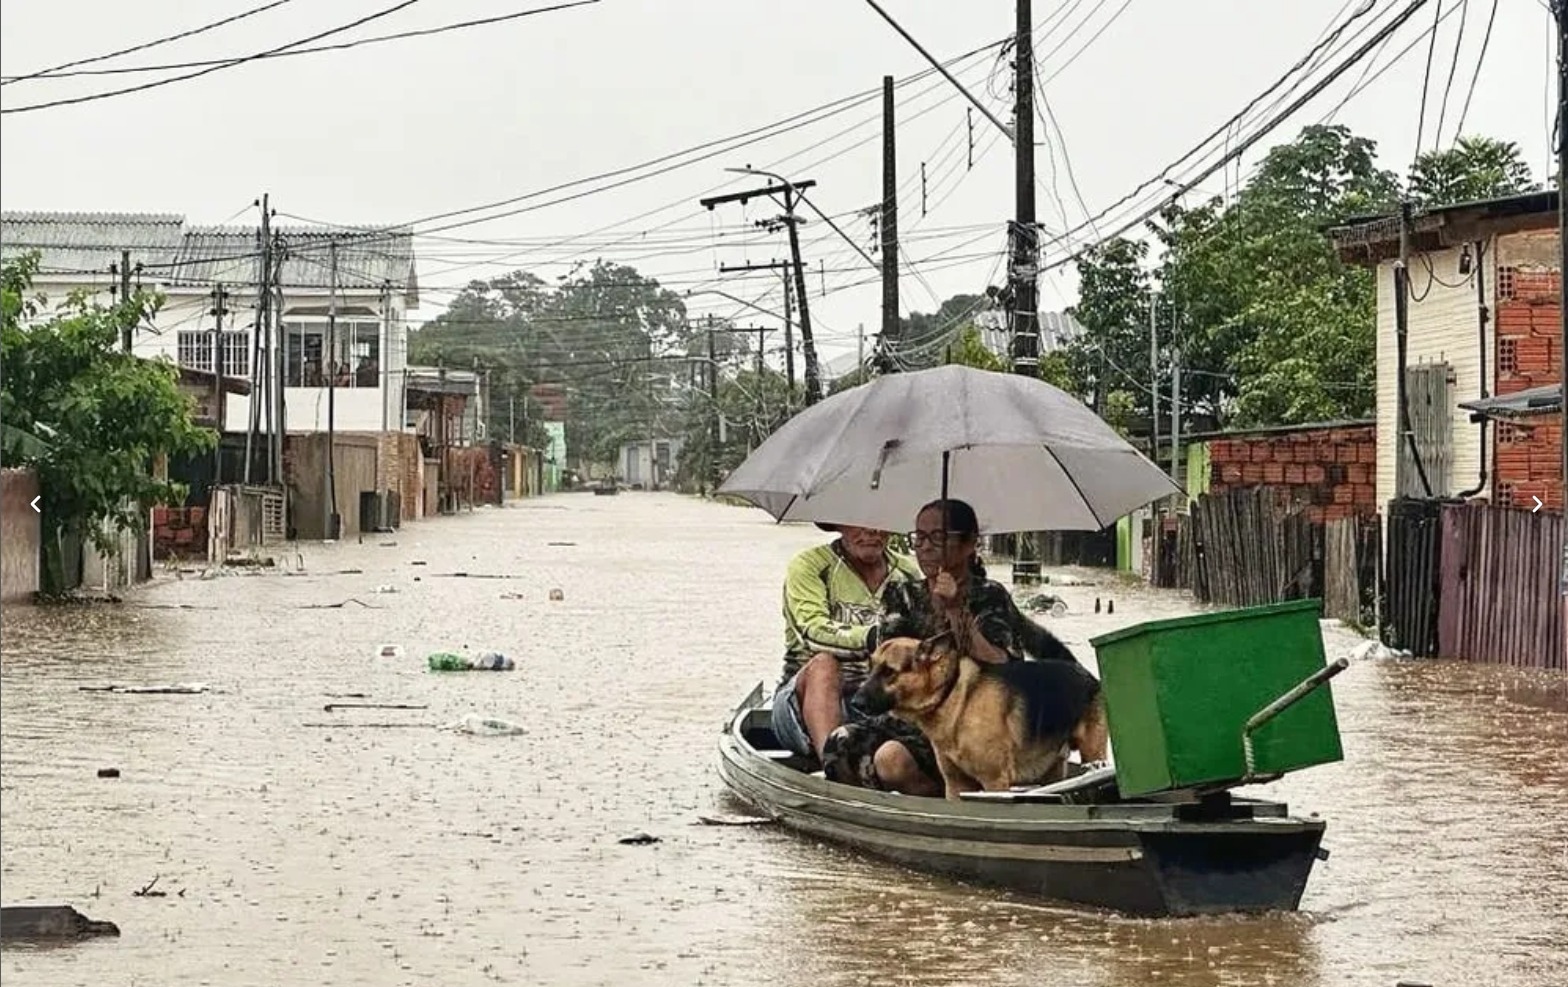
[1113,353]
[1475,168]
[968,350]
[86,416]
[614,340]
[923,337]
[1270,326]
[718,435]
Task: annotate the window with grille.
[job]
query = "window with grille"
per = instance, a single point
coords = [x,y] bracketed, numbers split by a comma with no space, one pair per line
[195,352]
[1507,356]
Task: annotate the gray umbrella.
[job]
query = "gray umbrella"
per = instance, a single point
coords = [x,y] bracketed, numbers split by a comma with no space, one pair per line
[1025,455]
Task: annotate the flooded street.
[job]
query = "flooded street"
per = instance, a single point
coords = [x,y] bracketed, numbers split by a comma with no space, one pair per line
[304,846]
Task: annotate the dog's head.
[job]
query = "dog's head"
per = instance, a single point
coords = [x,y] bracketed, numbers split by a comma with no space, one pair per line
[906,673]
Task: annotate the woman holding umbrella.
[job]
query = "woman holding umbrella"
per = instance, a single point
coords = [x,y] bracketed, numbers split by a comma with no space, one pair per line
[957,596]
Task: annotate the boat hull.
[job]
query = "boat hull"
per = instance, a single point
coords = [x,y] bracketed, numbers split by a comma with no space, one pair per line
[1140,858]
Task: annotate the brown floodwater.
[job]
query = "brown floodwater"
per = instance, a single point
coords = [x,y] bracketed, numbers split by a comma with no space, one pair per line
[300,846]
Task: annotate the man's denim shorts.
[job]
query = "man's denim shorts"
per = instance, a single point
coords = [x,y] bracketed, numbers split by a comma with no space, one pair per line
[789,727]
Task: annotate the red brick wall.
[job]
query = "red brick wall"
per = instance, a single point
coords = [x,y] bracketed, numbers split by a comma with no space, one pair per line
[1332,470]
[179,532]
[1529,354]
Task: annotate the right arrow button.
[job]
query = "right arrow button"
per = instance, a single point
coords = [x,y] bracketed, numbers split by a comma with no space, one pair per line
[1538,504]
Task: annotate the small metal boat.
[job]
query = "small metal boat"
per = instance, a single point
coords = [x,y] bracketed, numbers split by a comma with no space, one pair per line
[1171,854]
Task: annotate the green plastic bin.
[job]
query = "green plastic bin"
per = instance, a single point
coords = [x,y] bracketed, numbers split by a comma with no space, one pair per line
[1178,692]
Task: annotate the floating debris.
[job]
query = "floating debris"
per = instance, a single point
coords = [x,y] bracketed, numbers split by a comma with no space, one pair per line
[639,839]
[329,707]
[174,689]
[108,772]
[557,595]
[22,923]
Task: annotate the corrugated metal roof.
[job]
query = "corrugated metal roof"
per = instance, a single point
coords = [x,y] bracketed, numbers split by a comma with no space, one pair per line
[73,242]
[173,253]
[1545,400]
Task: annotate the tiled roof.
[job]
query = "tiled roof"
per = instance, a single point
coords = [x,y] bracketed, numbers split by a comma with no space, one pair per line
[173,253]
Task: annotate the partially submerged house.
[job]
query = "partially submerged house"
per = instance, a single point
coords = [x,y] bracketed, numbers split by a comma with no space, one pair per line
[1483,321]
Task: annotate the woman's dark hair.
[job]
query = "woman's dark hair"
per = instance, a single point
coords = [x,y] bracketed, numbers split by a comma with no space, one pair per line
[960,519]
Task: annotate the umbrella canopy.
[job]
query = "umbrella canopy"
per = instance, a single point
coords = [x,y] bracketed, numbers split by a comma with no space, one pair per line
[1025,455]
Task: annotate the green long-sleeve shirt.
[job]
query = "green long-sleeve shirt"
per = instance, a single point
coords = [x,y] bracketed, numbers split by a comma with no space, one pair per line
[828,609]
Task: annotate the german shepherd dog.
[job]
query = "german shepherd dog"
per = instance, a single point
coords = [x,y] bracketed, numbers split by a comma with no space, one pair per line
[992,725]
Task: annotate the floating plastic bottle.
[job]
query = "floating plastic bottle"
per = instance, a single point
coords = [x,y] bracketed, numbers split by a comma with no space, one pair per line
[446,661]
[485,726]
[493,661]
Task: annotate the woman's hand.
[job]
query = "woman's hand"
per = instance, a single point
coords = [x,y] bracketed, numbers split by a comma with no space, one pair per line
[944,591]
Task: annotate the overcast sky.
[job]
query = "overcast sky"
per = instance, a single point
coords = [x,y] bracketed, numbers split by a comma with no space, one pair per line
[395,132]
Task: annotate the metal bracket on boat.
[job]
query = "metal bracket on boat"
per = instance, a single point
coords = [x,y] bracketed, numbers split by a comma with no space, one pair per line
[1279,706]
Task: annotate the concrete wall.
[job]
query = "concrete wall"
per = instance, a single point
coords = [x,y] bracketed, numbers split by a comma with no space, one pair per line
[19,535]
[305,470]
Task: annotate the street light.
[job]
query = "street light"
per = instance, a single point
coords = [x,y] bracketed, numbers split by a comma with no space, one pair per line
[739,301]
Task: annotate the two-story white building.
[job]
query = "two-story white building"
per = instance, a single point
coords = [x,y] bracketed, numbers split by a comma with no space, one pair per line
[338,312]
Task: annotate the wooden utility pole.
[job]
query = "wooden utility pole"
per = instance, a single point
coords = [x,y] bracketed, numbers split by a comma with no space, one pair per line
[1023,269]
[889,221]
[791,192]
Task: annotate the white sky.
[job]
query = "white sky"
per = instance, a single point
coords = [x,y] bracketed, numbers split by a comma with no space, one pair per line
[398,131]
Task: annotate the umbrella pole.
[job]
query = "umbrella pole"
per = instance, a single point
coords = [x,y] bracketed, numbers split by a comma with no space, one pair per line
[946,457]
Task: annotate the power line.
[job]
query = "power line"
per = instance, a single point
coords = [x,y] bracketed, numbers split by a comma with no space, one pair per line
[58,71]
[1453,69]
[385,12]
[1486,41]
[316,49]
[1426,79]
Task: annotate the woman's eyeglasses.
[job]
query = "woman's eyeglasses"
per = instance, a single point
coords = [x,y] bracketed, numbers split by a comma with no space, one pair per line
[936,539]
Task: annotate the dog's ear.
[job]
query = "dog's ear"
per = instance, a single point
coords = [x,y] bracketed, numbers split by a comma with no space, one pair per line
[934,647]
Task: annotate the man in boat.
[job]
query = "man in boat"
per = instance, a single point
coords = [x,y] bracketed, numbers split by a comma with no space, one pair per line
[832,607]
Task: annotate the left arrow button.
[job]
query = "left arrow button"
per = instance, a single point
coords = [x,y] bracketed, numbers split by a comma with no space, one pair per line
[34,504]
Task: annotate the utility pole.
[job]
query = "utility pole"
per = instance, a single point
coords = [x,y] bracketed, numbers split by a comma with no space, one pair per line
[1023,263]
[1154,377]
[441,436]
[1175,406]
[889,224]
[784,267]
[789,337]
[333,519]
[860,347]
[713,401]
[219,310]
[1560,8]
[791,192]
[260,365]
[125,298]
